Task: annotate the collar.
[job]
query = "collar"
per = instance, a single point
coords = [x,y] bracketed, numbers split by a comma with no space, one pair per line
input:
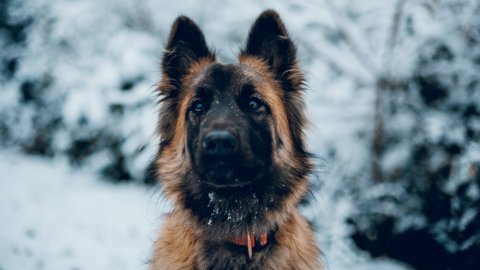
[251,241]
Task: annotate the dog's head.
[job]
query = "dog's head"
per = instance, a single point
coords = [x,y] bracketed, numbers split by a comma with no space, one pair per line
[232,148]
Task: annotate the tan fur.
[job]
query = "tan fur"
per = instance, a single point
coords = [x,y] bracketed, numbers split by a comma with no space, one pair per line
[180,241]
[175,247]
[294,236]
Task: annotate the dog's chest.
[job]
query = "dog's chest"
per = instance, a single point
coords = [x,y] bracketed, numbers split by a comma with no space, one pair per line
[225,256]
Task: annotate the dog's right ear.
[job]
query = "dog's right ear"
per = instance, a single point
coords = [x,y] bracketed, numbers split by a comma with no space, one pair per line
[269,40]
[186,45]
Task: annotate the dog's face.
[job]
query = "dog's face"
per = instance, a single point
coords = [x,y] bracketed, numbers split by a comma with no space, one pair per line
[232,146]
[230,130]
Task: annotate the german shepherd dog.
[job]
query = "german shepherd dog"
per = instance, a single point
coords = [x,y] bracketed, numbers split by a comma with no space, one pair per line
[232,157]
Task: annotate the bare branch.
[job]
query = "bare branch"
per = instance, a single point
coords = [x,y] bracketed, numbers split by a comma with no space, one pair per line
[333,62]
[392,40]
[355,48]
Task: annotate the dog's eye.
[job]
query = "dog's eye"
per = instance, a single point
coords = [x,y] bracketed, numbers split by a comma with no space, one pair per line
[255,105]
[198,107]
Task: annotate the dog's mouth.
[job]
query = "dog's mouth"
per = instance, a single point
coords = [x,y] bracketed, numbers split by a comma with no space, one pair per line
[223,175]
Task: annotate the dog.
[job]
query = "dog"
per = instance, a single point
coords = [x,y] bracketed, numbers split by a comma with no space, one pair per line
[232,156]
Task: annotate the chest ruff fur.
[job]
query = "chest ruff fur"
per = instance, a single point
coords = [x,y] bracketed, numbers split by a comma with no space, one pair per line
[181,245]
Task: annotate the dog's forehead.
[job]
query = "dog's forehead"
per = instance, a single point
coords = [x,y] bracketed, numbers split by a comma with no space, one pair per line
[225,76]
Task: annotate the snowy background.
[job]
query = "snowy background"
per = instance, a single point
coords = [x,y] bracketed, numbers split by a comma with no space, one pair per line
[393,98]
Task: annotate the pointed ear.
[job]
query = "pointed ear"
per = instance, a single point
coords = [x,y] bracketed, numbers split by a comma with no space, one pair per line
[186,45]
[268,40]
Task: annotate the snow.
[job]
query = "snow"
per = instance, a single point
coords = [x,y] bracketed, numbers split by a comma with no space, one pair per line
[53,217]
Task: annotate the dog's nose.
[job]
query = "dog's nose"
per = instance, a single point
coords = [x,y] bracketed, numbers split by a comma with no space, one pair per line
[219,143]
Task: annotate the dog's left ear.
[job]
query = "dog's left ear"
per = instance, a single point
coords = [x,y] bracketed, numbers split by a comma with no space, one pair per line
[186,45]
[268,40]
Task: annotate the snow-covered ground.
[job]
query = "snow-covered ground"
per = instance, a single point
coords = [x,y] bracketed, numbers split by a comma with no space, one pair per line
[56,218]
[52,217]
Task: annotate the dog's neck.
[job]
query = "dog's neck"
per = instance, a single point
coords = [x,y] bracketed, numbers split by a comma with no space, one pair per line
[251,241]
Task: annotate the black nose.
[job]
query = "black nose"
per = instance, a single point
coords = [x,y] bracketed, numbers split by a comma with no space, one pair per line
[219,143]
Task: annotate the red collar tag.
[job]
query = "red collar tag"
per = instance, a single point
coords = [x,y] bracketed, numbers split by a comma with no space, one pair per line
[248,241]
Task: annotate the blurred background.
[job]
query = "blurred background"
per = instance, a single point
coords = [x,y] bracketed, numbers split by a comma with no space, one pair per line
[393,98]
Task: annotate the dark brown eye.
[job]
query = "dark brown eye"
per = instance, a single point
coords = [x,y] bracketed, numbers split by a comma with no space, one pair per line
[198,107]
[255,105]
